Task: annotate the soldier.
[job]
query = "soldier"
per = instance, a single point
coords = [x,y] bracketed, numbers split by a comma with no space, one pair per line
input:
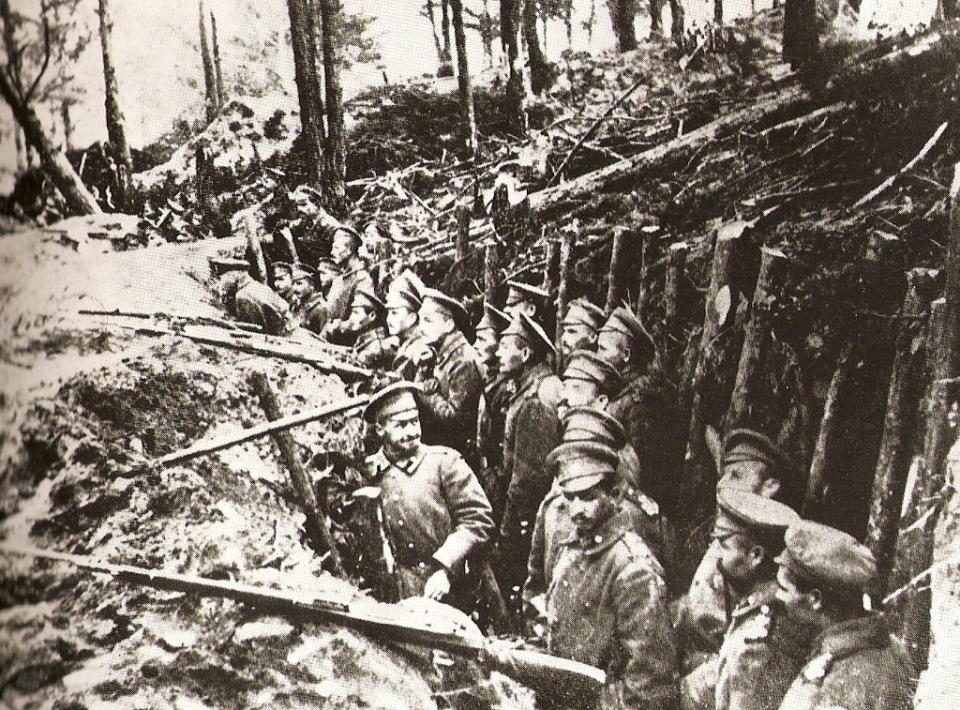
[316,310]
[762,648]
[524,298]
[854,663]
[434,511]
[254,302]
[497,390]
[752,462]
[371,346]
[531,431]
[607,605]
[344,252]
[647,404]
[403,302]
[487,332]
[447,370]
[580,327]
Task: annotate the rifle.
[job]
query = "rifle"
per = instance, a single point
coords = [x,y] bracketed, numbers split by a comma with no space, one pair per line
[424,625]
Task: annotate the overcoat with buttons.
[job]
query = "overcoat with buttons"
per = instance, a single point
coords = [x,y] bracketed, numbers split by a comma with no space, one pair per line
[434,512]
[853,665]
[607,606]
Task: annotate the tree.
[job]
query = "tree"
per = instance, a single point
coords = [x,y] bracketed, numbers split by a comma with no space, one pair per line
[304,40]
[539,68]
[801,41]
[718,11]
[446,64]
[45,47]
[676,21]
[217,67]
[656,18]
[509,36]
[335,161]
[209,74]
[622,14]
[116,131]
[463,78]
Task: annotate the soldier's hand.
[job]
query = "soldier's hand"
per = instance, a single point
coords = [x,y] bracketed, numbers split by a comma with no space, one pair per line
[437,586]
[430,385]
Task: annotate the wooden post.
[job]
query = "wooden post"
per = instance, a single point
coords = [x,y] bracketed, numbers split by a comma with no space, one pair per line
[258,265]
[463,232]
[721,273]
[650,237]
[828,431]
[566,269]
[317,527]
[676,263]
[614,276]
[896,445]
[490,274]
[286,236]
[756,334]
[551,264]
[938,436]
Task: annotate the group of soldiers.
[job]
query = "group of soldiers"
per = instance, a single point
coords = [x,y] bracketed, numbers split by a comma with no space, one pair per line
[524,482]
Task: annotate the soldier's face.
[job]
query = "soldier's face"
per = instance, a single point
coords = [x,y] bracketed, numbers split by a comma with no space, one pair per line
[434,322]
[282,280]
[400,320]
[739,557]
[589,509]
[400,433]
[802,606]
[577,336]
[614,347]
[579,393]
[515,309]
[512,353]
[342,248]
[752,476]
[301,289]
[486,344]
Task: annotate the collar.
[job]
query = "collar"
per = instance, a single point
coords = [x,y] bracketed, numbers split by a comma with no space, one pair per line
[848,637]
[762,594]
[599,540]
[381,463]
[449,344]
[532,375]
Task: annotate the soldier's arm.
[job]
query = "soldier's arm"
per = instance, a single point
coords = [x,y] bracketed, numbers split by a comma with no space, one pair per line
[536,584]
[464,387]
[763,675]
[650,674]
[469,509]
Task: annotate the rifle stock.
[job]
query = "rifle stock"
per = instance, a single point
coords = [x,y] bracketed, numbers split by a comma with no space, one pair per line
[392,622]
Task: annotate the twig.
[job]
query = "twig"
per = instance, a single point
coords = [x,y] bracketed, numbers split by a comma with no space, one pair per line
[889,182]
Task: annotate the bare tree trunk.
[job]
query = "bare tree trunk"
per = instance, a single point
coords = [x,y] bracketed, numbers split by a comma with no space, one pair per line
[116,131]
[303,39]
[656,18]
[539,68]
[677,18]
[464,83]
[801,41]
[217,67]
[431,15]
[446,60]
[54,162]
[22,161]
[209,78]
[335,155]
[67,126]
[718,11]
[622,14]
[509,29]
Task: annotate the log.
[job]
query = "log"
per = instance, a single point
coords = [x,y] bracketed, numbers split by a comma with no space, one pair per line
[649,237]
[566,271]
[827,436]
[202,448]
[756,335]
[893,459]
[615,273]
[317,526]
[795,124]
[551,266]
[892,180]
[463,233]
[258,265]
[490,274]
[672,324]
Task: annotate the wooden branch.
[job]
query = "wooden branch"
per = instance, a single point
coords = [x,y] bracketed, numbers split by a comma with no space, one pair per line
[317,526]
[806,119]
[756,335]
[202,448]
[828,432]
[28,95]
[896,445]
[890,181]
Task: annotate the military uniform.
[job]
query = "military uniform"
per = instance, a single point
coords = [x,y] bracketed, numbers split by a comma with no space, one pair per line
[257,303]
[606,606]
[340,302]
[372,348]
[854,665]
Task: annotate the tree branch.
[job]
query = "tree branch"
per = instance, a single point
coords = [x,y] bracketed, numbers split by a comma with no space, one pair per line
[46,53]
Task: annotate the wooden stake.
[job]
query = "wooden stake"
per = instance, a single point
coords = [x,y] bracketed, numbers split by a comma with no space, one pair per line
[676,263]
[828,431]
[490,274]
[463,232]
[756,334]
[258,266]
[614,281]
[317,526]
[551,266]
[566,271]
[648,255]
[896,445]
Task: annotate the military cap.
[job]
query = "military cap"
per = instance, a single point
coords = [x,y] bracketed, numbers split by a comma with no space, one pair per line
[401,294]
[623,320]
[530,332]
[493,319]
[582,464]
[449,305]
[280,266]
[743,511]
[820,554]
[395,398]
[520,291]
[364,296]
[586,365]
[751,445]
[298,272]
[592,424]
[580,311]
[407,280]
[355,238]
[327,266]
